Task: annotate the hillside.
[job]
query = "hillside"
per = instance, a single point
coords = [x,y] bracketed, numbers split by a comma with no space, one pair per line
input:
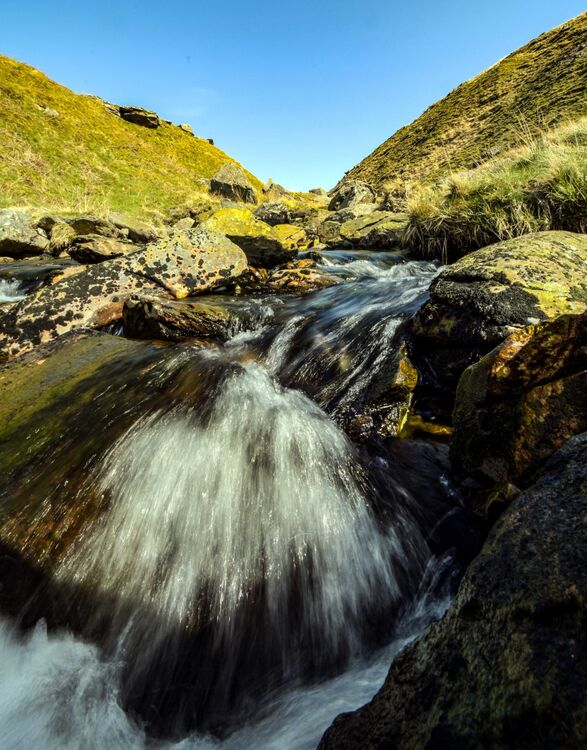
[538,86]
[61,150]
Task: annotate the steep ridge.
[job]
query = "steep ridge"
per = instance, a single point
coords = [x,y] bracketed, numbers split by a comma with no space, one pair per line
[536,87]
[61,150]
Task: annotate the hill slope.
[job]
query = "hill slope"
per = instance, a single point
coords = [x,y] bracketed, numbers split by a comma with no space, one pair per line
[60,150]
[536,87]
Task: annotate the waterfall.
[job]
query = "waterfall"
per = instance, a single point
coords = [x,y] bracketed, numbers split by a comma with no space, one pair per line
[248,522]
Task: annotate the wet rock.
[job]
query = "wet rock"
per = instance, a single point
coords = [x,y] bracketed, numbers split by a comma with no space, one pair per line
[263,245]
[95,249]
[140,116]
[19,235]
[298,280]
[522,401]
[352,193]
[157,318]
[484,297]
[231,182]
[507,665]
[182,264]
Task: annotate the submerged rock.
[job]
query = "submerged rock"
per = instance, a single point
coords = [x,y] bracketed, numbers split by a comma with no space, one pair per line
[231,182]
[19,235]
[507,666]
[522,401]
[181,264]
[484,297]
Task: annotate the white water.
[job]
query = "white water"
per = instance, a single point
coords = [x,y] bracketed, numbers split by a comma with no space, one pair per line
[10,291]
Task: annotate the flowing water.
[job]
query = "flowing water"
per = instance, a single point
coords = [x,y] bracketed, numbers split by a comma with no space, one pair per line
[238,564]
[10,291]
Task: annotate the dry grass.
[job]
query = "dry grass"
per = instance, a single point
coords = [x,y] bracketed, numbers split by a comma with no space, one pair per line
[541,185]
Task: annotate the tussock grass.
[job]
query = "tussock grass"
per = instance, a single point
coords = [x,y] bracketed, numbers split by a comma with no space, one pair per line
[538,186]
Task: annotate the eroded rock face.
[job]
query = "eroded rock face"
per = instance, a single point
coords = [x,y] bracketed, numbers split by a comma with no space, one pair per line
[522,401]
[19,235]
[231,182]
[265,246]
[507,666]
[352,193]
[140,116]
[181,264]
[484,297]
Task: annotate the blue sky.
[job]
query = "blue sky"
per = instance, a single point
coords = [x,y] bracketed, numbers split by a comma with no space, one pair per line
[299,91]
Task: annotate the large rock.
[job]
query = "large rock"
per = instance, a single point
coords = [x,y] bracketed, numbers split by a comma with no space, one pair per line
[231,182]
[380,229]
[158,318]
[263,245]
[19,235]
[92,248]
[274,213]
[506,669]
[135,229]
[484,297]
[522,401]
[140,116]
[352,193]
[181,264]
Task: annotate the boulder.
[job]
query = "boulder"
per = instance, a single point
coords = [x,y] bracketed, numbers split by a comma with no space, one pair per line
[274,191]
[352,193]
[484,297]
[61,237]
[92,248]
[157,318]
[318,191]
[298,280]
[231,182]
[19,235]
[84,225]
[186,128]
[380,229]
[181,264]
[140,116]
[263,245]
[135,229]
[274,213]
[507,665]
[522,401]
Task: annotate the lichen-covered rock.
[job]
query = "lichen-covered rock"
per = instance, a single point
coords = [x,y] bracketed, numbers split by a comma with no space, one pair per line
[507,665]
[19,235]
[522,401]
[263,245]
[158,318]
[274,213]
[376,229]
[482,298]
[84,225]
[350,194]
[95,249]
[136,230]
[140,116]
[182,264]
[298,280]
[231,182]
[61,237]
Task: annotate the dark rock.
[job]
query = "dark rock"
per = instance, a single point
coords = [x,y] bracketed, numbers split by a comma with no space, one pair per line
[506,668]
[231,182]
[83,225]
[95,249]
[522,401]
[274,213]
[352,193]
[136,230]
[140,116]
[19,235]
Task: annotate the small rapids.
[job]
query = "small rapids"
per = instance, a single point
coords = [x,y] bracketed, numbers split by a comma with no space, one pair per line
[231,570]
[10,291]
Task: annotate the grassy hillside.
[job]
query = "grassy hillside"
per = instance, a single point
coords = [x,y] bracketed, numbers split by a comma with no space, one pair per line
[535,88]
[64,151]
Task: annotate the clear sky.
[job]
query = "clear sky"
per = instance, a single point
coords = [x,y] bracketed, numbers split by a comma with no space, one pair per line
[296,91]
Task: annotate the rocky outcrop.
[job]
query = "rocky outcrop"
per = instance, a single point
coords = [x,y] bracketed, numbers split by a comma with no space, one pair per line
[507,666]
[350,194]
[264,246]
[522,401]
[232,183]
[274,213]
[484,297]
[157,318]
[19,235]
[140,116]
[181,264]
[95,249]
[381,229]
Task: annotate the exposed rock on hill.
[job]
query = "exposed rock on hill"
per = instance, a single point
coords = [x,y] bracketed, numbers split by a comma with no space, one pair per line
[232,183]
[507,666]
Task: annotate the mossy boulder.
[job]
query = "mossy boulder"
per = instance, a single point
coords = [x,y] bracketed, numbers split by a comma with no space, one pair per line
[181,264]
[20,235]
[522,401]
[377,229]
[507,665]
[264,245]
[484,297]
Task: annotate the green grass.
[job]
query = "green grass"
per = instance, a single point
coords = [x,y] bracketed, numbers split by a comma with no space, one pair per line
[85,159]
[539,186]
[542,85]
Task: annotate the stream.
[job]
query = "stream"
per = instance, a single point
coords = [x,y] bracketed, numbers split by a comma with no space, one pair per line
[233,571]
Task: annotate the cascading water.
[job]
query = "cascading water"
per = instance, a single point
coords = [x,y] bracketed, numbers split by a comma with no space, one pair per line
[237,547]
[10,291]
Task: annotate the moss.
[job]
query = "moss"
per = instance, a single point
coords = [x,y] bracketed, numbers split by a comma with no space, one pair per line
[86,159]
